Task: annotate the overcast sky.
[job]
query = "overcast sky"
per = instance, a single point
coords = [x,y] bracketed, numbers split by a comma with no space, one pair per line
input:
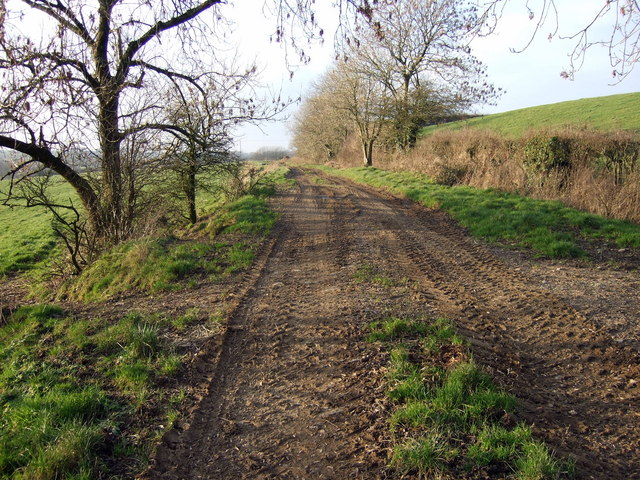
[529,78]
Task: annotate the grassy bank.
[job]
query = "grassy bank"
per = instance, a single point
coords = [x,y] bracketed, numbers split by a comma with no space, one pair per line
[211,250]
[28,243]
[610,113]
[547,227]
[85,397]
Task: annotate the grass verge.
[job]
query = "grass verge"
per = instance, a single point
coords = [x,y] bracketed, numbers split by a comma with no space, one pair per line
[450,419]
[212,249]
[70,387]
[547,227]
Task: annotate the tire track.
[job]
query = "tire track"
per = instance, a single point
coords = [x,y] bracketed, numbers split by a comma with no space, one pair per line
[577,385]
[291,397]
[295,393]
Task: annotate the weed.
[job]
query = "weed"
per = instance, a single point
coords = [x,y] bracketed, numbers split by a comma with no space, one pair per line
[536,463]
[182,322]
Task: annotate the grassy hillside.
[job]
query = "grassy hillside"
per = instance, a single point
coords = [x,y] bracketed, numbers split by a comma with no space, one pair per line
[26,237]
[614,112]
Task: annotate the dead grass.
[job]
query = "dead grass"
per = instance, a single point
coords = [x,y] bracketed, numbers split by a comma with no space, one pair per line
[595,171]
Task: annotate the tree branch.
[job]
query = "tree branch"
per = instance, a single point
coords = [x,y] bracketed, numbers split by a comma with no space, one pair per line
[155,30]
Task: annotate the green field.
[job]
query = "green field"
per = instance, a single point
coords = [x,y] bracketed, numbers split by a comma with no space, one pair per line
[26,238]
[614,112]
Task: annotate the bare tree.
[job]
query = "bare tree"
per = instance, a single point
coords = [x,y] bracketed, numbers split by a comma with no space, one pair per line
[319,128]
[620,18]
[76,86]
[76,90]
[362,100]
[419,51]
[205,117]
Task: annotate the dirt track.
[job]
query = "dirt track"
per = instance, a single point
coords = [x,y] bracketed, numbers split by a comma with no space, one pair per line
[294,392]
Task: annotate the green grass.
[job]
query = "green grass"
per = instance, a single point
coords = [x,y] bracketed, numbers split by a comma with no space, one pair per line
[549,228]
[80,396]
[225,243]
[369,273]
[69,385]
[610,113]
[27,241]
[449,419]
[249,215]
[26,238]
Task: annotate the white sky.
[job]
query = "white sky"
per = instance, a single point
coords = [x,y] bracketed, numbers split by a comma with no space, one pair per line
[529,78]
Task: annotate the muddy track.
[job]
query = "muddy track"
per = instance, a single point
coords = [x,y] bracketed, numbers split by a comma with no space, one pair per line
[295,394]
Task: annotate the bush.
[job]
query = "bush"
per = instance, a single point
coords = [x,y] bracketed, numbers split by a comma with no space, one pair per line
[585,168]
[544,154]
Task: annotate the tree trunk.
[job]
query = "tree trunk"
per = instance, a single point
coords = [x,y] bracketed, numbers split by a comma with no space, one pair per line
[367,149]
[112,221]
[190,190]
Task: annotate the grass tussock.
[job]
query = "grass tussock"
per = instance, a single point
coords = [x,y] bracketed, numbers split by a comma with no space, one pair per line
[69,387]
[451,420]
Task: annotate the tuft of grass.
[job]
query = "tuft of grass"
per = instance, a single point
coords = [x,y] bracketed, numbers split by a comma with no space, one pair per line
[369,273]
[449,419]
[429,454]
[393,328]
[548,228]
[441,332]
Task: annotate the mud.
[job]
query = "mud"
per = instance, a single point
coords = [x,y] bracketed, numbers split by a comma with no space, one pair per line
[292,391]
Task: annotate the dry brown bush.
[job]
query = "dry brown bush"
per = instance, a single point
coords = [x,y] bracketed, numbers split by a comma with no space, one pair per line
[600,173]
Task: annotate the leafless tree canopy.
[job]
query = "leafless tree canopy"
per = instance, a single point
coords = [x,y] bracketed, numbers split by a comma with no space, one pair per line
[620,18]
[80,90]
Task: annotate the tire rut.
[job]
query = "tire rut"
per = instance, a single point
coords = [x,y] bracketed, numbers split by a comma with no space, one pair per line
[296,393]
[577,386]
[291,397]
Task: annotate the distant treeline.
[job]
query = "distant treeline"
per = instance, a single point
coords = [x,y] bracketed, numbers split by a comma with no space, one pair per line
[269,153]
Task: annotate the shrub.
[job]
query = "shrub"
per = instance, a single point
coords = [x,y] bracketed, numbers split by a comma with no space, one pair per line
[589,169]
[544,154]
